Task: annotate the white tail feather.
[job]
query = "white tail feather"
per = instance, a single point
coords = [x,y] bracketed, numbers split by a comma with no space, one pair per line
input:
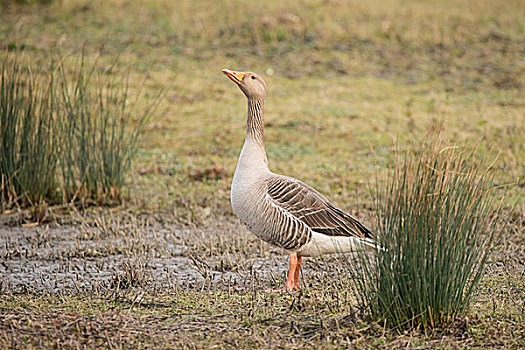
[324,244]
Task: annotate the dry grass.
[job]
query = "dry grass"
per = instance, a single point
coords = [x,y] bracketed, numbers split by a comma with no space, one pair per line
[161,285]
[344,80]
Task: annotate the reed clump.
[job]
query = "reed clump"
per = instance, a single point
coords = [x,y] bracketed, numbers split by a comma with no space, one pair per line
[66,134]
[437,223]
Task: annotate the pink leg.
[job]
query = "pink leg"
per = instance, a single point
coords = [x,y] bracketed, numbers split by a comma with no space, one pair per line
[297,273]
[292,283]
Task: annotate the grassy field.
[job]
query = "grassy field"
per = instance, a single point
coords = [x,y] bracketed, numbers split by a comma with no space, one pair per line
[348,83]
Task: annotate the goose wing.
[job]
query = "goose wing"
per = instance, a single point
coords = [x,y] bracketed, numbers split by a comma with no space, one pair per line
[312,208]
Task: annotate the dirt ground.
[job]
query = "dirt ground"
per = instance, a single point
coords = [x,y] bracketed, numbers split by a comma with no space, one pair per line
[96,256]
[132,281]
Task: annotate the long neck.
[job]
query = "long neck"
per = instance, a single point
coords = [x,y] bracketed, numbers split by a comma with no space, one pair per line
[253,155]
[255,121]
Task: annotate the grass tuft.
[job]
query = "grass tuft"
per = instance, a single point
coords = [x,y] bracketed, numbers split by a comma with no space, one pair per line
[437,222]
[28,134]
[101,138]
[66,135]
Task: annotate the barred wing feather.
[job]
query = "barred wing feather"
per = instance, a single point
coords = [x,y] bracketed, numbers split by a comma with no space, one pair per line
[312,208]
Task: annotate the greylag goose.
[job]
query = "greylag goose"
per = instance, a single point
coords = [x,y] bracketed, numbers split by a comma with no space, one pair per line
[281,210]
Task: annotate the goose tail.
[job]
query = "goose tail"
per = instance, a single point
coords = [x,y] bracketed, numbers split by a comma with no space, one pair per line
[369,242]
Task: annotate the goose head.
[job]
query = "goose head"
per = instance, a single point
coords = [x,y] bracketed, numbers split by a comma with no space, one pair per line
[251,84]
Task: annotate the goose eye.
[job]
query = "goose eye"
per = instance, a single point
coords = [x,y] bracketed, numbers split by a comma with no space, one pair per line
[254,77]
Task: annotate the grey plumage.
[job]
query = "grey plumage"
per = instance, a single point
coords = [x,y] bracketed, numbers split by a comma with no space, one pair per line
[282,210]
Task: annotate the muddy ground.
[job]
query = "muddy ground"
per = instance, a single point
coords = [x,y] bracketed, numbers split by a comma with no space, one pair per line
[137,253]
[119,252]
[132,281]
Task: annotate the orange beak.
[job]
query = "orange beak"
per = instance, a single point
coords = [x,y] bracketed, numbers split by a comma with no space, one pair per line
[235,76]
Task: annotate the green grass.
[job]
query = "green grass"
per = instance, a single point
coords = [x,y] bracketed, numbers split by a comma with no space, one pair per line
[437,224]
[28,135]
[100,130]
[360,75]
[66,135]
